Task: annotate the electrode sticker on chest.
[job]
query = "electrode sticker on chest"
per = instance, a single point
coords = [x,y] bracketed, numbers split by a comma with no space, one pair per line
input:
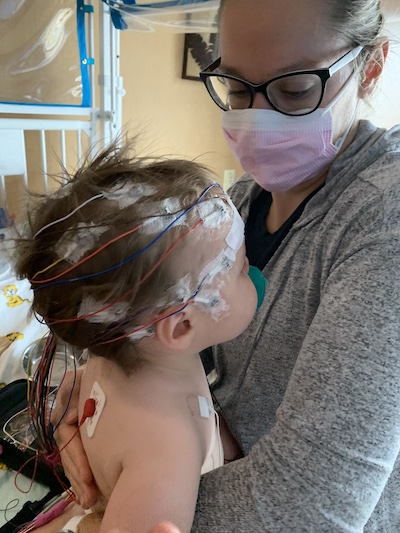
[99,397]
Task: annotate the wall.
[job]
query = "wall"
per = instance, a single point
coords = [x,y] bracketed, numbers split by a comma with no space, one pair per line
[385,109]
[175,116]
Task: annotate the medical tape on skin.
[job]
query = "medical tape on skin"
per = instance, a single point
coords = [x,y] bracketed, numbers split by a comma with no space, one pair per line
[215,304]
[84,238]
[211,296]
[129,194]
[212,212]
[221,264]
[235,237]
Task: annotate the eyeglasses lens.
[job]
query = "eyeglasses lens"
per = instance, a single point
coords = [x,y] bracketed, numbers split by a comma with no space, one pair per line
[292,95]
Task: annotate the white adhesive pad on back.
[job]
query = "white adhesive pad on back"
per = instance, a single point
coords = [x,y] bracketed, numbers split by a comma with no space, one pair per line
[99,397]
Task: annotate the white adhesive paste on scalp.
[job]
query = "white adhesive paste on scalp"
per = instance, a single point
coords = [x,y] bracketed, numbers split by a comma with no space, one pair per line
[108,316]
[137,335]
[61,192]
[157,224]
[84,238]
[129,194]
[170,206]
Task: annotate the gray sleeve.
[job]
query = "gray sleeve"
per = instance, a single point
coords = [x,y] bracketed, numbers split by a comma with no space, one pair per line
[323,466]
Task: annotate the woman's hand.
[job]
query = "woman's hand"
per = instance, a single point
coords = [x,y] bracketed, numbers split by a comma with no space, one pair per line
[231,448]
[73,457]
[163,527]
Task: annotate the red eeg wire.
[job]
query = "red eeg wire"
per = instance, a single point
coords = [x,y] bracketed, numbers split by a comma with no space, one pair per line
[165,315]
[86,258]
[157,264]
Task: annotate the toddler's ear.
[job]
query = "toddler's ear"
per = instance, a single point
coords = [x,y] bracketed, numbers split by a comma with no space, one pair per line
[175,332]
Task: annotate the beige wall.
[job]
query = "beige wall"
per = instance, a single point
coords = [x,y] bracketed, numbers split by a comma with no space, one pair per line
[175,116]
[386,102]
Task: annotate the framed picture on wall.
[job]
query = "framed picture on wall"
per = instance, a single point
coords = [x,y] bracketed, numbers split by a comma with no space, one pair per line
[199,50]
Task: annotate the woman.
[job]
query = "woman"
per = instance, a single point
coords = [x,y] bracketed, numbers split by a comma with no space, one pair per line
[311,391]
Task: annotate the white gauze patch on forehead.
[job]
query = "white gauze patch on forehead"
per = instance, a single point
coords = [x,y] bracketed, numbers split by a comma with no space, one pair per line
[213,212]
[221,264]
[235,237]
[114,313]
[129,194]
[84,238]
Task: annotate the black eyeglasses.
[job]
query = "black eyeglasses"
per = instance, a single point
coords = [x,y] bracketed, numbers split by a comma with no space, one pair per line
[296,93]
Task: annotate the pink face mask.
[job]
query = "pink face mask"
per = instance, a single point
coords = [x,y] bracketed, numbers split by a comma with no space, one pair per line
[281,151]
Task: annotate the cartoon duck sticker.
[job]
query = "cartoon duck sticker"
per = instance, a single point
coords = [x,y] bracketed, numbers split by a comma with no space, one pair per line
[10,294]
[15,336]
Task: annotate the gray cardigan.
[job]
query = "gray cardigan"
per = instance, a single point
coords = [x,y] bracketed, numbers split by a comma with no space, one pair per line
[312,389]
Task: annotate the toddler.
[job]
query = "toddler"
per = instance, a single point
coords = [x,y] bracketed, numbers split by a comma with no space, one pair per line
[142,263]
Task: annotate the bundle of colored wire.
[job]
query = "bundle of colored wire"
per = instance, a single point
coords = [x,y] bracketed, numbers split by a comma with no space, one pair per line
[47,283]
[49,513]
[39,406]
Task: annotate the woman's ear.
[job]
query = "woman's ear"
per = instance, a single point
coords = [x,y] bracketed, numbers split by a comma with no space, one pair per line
[175,332]
[373,69]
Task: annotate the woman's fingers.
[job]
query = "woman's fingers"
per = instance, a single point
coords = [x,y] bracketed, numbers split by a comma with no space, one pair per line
[64,418]
[163,527]
[76,467]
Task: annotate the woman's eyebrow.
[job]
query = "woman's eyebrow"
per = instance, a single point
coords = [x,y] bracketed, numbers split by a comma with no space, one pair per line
[293,67]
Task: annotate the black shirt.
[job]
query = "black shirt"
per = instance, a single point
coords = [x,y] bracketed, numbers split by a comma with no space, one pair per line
[260,244]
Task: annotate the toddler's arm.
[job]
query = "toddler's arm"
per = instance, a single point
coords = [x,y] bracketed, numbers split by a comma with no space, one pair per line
[159,478]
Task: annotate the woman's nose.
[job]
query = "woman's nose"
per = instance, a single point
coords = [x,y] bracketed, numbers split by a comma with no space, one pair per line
[260,102]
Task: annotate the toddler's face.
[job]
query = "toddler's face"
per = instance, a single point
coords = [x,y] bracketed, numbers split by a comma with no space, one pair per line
[226,294]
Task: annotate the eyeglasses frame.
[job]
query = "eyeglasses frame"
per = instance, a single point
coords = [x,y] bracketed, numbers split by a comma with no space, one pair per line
[324,74]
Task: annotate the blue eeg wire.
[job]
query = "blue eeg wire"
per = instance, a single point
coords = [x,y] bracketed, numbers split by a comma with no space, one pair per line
[137,254]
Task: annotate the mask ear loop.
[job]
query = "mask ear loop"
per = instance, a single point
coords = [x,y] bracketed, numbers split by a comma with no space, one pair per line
[339,143]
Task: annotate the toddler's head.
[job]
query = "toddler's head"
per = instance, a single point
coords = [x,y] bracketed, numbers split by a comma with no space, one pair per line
[124,244]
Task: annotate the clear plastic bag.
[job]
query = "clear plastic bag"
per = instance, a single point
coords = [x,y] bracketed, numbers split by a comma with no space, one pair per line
[41,49]
[178,16]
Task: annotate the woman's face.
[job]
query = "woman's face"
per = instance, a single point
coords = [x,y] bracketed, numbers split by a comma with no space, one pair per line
[262,39]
